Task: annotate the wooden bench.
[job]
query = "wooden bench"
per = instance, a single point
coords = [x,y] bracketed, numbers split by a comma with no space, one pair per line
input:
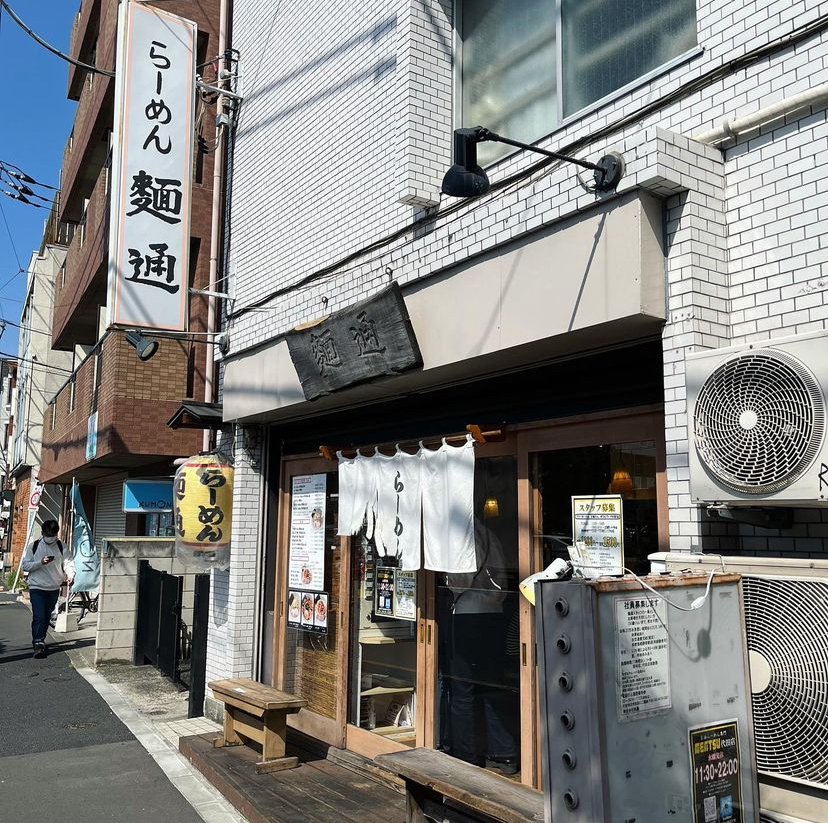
[439,787]
[253,711]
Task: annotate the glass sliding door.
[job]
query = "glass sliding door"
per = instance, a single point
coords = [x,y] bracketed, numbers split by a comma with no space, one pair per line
[478,697]
[627,469]
[383,648]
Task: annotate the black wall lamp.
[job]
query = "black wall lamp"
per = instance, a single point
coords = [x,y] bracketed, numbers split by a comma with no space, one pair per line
[144,348]
[466,179]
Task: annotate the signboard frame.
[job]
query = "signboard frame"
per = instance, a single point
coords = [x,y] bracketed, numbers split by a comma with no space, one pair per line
[153,148]
[602,519]
[306,548]
[708,776]
[142,508]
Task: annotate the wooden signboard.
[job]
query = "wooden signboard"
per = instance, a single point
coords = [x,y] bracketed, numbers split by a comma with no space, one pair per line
[367,340]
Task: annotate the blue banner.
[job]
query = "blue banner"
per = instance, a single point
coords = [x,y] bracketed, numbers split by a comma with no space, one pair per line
[84,551]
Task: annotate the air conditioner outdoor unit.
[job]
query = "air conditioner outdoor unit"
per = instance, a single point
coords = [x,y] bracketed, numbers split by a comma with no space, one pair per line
[758,415]
[786,615]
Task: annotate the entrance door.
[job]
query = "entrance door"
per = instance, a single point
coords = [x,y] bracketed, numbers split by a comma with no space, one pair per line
[310,623]
[447,660]
[477,659]
[386,709]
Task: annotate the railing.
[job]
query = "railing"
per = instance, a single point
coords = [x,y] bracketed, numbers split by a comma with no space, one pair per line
[95,89]
[85,255]
[87,17]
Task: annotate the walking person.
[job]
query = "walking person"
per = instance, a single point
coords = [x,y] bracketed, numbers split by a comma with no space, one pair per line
[48,564]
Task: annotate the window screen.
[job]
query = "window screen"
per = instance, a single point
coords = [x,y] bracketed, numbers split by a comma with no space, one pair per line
[509,67]
[508,74]
[609,43]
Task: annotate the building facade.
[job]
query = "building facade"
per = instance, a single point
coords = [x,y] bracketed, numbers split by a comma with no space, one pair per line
[40,373]
[8,381]
[106,421]
[553,320]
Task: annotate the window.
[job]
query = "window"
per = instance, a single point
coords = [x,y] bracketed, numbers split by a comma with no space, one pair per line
[526,65]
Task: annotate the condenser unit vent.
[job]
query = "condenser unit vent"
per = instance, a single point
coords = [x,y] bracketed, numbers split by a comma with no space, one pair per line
[759,421]
[786,622]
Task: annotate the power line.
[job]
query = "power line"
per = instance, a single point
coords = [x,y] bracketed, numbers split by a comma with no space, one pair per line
[4,322]
[18,272]
[21,175]
[35,363]
[11,239]
[58,52]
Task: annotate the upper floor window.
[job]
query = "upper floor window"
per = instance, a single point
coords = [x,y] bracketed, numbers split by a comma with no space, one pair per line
[528,64]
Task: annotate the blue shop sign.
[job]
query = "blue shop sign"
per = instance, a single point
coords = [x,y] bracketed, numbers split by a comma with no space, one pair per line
[148,496]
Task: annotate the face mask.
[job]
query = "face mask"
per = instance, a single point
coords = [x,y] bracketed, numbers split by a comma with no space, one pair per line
[49,541]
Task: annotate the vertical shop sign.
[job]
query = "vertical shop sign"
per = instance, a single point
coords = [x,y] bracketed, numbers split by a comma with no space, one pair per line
[642,657]
[717,774]
[306,558]
[152,168]
[598,533]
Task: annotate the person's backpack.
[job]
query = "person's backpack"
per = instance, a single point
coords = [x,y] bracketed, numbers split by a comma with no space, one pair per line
[37,543]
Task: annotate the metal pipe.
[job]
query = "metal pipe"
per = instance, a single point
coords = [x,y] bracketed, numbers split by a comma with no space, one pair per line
[816,96]
[215,221]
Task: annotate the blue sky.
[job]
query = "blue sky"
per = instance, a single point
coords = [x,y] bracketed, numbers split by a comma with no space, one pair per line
[36,121]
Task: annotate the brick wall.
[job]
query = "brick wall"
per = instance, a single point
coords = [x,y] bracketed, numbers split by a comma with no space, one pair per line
[744,258]
[21,517]
[134,401]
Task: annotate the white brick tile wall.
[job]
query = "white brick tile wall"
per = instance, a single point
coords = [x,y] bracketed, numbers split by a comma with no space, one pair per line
[345,133]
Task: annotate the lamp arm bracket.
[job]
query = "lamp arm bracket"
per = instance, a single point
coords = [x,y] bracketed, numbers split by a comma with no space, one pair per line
[485,135]
[608,171]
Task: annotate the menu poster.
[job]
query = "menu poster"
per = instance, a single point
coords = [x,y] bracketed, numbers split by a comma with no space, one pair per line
[294,607]
[306,559]
[384,591]
[598,533]
[405,595]
[716,773]
[320,613]
[307,610]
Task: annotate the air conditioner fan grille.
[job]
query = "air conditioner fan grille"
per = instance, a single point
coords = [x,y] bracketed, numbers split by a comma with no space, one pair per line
[787,627]
[759,421]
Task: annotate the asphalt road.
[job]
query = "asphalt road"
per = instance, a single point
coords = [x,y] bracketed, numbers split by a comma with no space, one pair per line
[63,753]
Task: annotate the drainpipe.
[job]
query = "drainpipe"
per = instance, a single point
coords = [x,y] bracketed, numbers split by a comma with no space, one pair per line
[215,223]
[817,97]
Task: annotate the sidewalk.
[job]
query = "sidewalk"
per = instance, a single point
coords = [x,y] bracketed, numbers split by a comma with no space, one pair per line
[93,745]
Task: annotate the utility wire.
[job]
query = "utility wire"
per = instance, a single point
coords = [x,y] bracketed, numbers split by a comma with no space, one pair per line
[35,363]
[11,279]
[21,175]
[58,52]
[11,239]
[5,322]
